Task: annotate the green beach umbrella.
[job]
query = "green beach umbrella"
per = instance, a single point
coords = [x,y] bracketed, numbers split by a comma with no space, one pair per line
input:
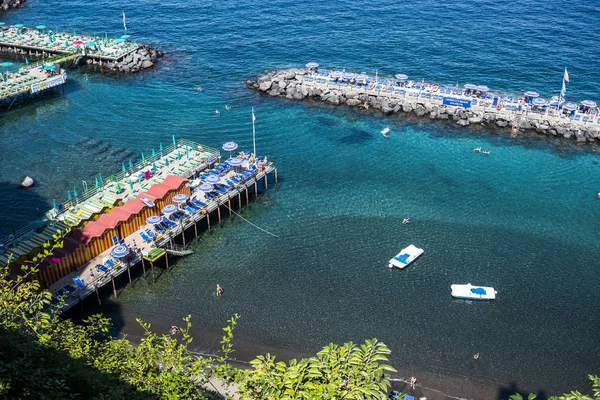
[18,25]
[187,152]
[54,205]
[2,23]
[118,188]
[123,166]
[97,184]
[167,161]
[178,155]
[174,142]
[153,153]
[131,185]
[154,166]
[74,33]
[101,180]
[130,164]
[26,61]
[69,196]
[160,148]
[75,192]
[140,180]
[143,158]
[66,43]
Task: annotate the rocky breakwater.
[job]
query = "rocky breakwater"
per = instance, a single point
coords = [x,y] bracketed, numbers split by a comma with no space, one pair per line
[143,58]
[289,83]
[8,4]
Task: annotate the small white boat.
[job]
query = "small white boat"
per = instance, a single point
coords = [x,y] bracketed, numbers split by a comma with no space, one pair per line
[385,131]
[471,292]
[405,257]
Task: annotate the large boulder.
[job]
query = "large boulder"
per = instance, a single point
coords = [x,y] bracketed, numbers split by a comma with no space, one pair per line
[407,107]
[386,109]
[333,99]
[502,123]
[462,122]
[353,102]
[265,85]
[525,124]
[147,64]
[298,96]
[282,84]
[26,182]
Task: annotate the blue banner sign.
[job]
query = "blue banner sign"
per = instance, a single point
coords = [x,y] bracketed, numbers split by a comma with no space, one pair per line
[451,101]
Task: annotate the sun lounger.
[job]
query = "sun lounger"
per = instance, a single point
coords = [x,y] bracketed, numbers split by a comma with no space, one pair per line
[111,263]
[79,282]
[198,203]
[145,237]
[115,240]
[101,268]
[149,233]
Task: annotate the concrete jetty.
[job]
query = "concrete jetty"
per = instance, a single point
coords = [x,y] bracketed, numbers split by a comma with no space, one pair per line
[468,105]
[115,54]
[139,216]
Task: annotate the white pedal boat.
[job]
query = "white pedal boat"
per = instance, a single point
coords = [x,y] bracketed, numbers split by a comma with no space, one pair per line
[471,292]
[405,257]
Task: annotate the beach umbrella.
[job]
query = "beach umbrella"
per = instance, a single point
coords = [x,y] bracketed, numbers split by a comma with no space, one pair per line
[174,142]
[75,192]
[483,88]
[470,86]
[312,65]
[97,184]
[169,209]
[153,153]
[206,187]
[90,44]
[161,147]
[119,40]
[49,67]
[40,27]
[230,146]
[588,103]
[531,94]
[236,161]
[2,23]
[167,161]
[154,220]
[26,61]
[74,33]
[18,25]
[212,179]
[7,64]
[101,180]
[54,205]
[77,42]
[130,184]
[119,251]
[570,106]
[348,75]
[69,198]
[125,36]
[337,74]
[130,163]
[180,198]
[178,155]
[118,188]
[538,101]
[187,152]
[402,77]
[66,43]
[143,158]
[154,166]
[139,179]
[123,167]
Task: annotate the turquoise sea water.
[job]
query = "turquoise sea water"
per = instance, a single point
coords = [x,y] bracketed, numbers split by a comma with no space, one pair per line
[523,219]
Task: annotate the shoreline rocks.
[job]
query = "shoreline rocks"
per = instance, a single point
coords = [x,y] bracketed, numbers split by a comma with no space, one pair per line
[289,83]
[143,58]
[26,182]
[8,4]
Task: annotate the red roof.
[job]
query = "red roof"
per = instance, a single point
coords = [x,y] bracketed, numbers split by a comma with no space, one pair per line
[159,191]
[173,182]
[119,214]
[135,206]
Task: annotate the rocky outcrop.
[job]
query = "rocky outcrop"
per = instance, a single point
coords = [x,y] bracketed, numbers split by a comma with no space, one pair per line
[8,4]
[289,83]
[143,58]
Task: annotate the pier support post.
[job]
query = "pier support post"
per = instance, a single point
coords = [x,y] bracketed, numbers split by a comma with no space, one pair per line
[246,195]
[167,260]
[114,287]
[97,295]
[255,187]
[196,229]
[208,220]
[239,200]
[143,266]
[183,235]
[276,176]
[266,183]
[229,207]
[129,274]
[219,212]
[152,268]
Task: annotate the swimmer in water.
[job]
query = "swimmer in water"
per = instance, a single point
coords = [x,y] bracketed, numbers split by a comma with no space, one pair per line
[199,88]
[476,356]
[218,112]
[477,149]
[406,221]
[227,108]
[486,152]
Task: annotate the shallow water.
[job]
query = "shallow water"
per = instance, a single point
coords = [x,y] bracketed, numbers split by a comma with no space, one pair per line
[523,219]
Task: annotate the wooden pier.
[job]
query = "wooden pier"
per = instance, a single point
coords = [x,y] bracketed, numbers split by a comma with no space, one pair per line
[120,216]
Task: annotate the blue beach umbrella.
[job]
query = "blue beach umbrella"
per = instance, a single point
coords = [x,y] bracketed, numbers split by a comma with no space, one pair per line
[154,166]
[570,106]
[75,192]
[153,153]
[236,161]
[66,43]
[180,198]
[348,75]
[206,187]
[74,33]
[212,179]
[169,209]
[187,152]
[402,77]
[588,103]
[130,164]
[470,86]
[312,65]
[26,61]
[69,198]
[531,94]
[538,101]
[139,179]
[483,88]
[123,166]
[119,251]
[230,146]
[119,40]
[90,44]
[50,67]
[154,219]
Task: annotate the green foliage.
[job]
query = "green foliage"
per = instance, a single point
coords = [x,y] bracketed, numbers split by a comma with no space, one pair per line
[337,372]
